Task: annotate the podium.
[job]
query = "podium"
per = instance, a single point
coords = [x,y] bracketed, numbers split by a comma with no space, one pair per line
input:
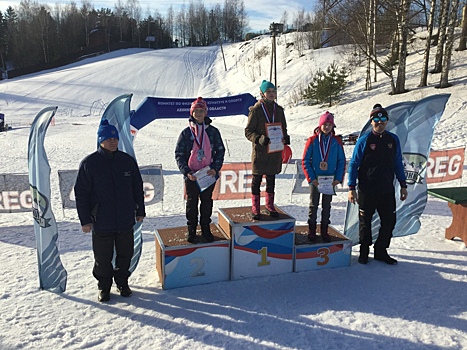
[180,263]
[320,255]
[258,248]
[245,248]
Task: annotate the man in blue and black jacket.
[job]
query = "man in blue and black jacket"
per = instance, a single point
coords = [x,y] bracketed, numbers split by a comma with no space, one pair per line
[377,157]
[109,199]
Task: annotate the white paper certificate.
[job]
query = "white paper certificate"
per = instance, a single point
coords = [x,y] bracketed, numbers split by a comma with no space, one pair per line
[275,134]
[203,179]
[325,185]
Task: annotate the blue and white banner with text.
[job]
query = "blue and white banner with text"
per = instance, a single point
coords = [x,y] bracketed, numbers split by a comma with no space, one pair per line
[158,107]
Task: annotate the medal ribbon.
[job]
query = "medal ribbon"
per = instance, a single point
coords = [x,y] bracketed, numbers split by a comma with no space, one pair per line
[196,135]
[266,113]
[324,146]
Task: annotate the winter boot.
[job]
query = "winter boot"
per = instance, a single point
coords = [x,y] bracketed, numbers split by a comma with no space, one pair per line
[364,251]
[103,296]
[324,233]
[124,290]
[255,206]
[206,232]
[382,255]
[270,208]
[312,232]
[191,234]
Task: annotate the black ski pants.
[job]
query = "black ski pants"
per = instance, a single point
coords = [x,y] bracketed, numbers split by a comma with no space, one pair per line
[193,194]
[256,183]
[103,245]
[313,206]
[385,205]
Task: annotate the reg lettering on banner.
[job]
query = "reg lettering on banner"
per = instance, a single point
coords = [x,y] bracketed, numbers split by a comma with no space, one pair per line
[234,182]
[445,165]
[15,201]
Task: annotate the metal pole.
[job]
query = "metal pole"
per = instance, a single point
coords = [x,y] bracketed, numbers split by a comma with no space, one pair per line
[272,57]
[275,67]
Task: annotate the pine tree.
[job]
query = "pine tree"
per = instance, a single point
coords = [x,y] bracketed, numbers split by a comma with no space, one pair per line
[326,87]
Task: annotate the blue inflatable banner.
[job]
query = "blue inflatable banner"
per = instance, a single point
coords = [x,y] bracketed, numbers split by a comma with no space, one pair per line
[52,274]
[414,124]
[157,107]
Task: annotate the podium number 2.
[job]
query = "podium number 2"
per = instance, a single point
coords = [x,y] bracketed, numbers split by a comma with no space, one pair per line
[199,262]
[264,257]
[324,254]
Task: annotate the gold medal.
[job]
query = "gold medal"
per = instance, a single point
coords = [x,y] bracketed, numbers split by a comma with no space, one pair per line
[323,166]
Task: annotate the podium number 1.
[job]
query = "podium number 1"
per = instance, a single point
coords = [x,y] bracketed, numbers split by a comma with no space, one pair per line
[264,257]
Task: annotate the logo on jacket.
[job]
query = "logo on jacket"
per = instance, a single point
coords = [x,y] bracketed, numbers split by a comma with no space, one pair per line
[373,146]
[389,145]
[40,205]
[126,173]
[414,166]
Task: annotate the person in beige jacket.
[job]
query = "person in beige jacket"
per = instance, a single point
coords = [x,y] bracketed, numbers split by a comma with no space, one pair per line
[264,160]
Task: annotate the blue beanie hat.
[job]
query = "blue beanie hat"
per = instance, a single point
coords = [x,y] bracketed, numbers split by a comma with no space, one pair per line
[266,85]
[106,131]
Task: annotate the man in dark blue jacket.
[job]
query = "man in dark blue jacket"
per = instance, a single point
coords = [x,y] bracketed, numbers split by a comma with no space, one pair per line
[377,157]
[109,198]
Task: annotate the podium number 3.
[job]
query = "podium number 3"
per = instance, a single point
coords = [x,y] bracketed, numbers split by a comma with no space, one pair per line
[264,257]
[324,254]
[199,262]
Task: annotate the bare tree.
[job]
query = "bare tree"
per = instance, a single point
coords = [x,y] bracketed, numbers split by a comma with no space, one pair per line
[443,22]
[426,57]
[284,18]
[191,22]
[463,38]
[169,20]
[389,29]
[351,17]
[119,12]
[299,23]
[404,31]
[444,81]
[181,26]
[134,12]
[234,19]
[86,7]
[371,42]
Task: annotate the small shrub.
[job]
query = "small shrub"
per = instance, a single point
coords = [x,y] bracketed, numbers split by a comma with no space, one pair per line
[263,52]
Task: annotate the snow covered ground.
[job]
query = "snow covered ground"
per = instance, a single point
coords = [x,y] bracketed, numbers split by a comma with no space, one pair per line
[418,304]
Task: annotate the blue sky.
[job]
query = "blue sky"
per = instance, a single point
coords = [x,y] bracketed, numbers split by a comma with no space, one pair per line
[260,14]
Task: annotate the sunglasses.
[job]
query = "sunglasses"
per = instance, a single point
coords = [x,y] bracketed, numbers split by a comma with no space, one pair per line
[380,119]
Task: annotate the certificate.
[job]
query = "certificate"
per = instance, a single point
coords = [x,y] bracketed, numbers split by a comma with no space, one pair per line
[325,185]
[203,180]
[275,134]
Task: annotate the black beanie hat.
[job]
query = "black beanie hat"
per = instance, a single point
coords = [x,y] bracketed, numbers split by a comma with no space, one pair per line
[378,111]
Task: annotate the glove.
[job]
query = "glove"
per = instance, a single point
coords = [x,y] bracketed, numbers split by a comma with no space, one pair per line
[264,140]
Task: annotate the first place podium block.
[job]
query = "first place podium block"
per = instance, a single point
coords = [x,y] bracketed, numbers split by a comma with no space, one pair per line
[181,264]
[321,255]
[259,248]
